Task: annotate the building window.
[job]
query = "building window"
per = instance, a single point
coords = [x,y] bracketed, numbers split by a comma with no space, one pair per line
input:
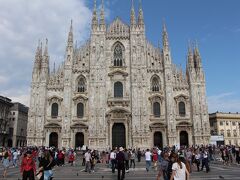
[155,84]
[81,87]
[118,55]
[13,113]
[221,123]
[54,112]
[228,133]
[227,123]
[182,109]
[118,89]
[80,110]
[235,133]
[156,109]
[222,132]
[234,123]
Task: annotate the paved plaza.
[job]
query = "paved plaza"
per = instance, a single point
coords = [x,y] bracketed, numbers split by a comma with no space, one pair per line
[218,171]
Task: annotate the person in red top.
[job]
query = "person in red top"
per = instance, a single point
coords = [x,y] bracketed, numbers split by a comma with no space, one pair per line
[155,158]
[28,167]
[71,158]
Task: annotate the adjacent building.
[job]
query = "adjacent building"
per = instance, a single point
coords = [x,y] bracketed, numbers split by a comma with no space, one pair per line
[5,105]
[226,124]
[18,125]
[118,90]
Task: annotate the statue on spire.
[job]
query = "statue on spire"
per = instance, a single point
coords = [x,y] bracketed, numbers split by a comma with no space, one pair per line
[102,17]
[165,38]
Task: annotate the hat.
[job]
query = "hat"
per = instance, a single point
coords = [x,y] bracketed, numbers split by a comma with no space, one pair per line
[121,149]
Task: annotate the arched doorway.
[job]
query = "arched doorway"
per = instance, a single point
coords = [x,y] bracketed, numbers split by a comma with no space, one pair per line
[183,138]
[158,140]
[118,135]
[79,139]
[53,140]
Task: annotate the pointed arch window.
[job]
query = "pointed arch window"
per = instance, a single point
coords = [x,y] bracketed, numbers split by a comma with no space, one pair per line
[155,84]
[118,89]
[156,109]
[81,86]
[118,55]
[182,108]
[54,110]
[80,110]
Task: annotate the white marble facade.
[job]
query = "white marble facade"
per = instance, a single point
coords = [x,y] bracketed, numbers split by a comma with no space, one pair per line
[118,89]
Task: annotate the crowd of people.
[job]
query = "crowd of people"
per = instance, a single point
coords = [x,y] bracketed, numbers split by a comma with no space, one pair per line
[169,163]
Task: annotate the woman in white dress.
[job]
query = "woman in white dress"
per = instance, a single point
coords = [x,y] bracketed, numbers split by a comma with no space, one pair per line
[179,170]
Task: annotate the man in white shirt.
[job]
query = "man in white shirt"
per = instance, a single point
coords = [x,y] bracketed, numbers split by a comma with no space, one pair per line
[15,157]
[87,156]
[113,160]
[148,159]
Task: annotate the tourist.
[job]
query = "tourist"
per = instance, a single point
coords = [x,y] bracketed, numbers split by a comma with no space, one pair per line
[148,159]
[28,167]
[237,155]
[179,170]
[113,160]
[87,157]
[6,163]
[197,158]
[15,158]
[126,157]
[93,161]
[139,155]
[132,158]
[205,160]
[46,164]
[163,169]
[120,164]
[71,157]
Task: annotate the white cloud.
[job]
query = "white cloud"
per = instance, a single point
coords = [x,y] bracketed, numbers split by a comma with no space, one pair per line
[225,102]
[22,23]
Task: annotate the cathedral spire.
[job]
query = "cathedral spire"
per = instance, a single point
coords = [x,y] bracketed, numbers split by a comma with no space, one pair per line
[197,56]
[102,17]
[46,48]
[190,62]
[94,17]
[133,18]
[140,15]
[165,38]
[70,35]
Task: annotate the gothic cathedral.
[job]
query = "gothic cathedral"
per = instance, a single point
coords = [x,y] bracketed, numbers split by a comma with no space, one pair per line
[118,90]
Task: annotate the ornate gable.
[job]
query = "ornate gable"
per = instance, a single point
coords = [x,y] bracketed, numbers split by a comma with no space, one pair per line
[118,30]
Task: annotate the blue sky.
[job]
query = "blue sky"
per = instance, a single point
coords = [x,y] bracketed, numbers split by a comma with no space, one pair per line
[214,24]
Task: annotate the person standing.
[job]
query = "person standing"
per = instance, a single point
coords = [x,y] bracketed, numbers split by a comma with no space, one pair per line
[6,163]
[120,164]
[237,155]
[113,160]
[87,157]
[148,159]
[46,164]
[28,167]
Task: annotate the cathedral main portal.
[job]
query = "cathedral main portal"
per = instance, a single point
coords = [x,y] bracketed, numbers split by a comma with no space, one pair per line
[118,135]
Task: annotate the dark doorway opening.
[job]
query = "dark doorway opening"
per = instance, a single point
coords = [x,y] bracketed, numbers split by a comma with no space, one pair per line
[53,140]
[158,140]
[183,138]
[118,135]
[10,143]
[79,139]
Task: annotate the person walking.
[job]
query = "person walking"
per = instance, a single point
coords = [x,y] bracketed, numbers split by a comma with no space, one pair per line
[205,161]
[113,160]
[15,158]
[120,164]
[148,159]
[163,169]
[6,163]
[28,167]
[46,164]
[139,155]
[126,156]
[87,157]
[179,170]
[132,159]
